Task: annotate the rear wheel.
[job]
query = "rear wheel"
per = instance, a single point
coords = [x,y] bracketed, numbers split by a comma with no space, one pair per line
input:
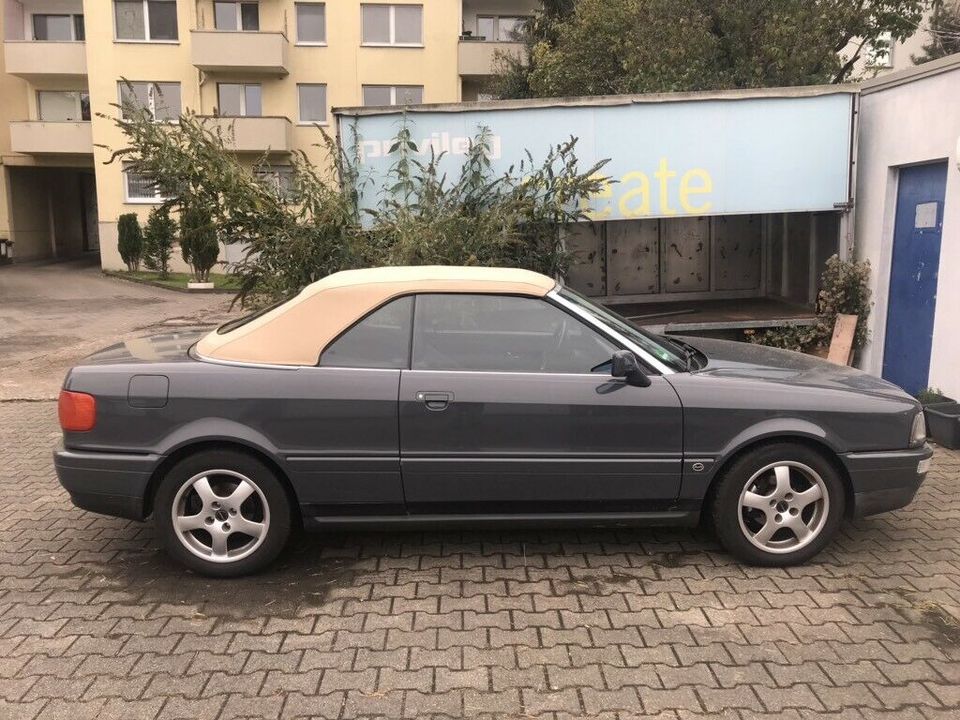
[778,505]
[222,513]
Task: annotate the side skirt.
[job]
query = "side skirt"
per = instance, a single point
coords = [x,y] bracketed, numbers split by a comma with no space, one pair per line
[666,518]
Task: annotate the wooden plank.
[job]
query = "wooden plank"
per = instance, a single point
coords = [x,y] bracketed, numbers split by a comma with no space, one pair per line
[737,252]
[585,243]
[633,265]
[841,344]
[685,255]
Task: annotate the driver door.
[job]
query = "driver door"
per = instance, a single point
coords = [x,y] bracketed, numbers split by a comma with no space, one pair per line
[500,412]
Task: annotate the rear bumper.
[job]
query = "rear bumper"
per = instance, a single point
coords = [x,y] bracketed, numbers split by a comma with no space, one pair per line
[106,483]
[884,481]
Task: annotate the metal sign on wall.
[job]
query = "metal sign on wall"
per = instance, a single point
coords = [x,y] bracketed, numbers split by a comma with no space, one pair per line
[715,156]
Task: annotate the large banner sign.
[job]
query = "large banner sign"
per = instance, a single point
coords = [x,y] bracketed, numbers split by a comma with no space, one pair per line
[690,157]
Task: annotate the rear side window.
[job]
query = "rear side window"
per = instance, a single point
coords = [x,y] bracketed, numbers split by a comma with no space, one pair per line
[503,333]
[380,340]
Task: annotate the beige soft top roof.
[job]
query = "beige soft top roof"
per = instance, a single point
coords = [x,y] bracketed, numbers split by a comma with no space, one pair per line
[296,332]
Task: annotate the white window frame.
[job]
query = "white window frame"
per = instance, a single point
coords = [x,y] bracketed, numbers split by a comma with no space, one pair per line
[73,25]
[146,27]
[272,175]
[152,98]
[393,25]
[243,99]
[326,109]
[296,17]
[881,58]
[239,13]
[393,92]
[78,104]
[157,199]
[496,25]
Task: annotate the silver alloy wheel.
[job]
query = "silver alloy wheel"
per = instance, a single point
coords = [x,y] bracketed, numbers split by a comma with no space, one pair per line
[220,516]
[783,507]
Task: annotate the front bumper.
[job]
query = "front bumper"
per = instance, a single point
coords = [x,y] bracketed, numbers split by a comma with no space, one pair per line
[106,483]
[884,481]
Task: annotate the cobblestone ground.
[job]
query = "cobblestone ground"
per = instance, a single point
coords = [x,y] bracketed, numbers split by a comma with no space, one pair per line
[96,623]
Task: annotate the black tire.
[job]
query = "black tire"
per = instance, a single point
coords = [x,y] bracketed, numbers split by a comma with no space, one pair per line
[740,528]
[267,506]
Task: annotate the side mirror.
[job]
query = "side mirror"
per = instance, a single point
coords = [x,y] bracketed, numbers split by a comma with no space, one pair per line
[625,365]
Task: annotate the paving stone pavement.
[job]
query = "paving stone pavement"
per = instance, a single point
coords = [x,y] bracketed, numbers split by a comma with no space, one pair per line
[96,623]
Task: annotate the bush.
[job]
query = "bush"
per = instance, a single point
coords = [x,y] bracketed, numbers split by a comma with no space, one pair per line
[471,216]
[130,240]
[844,290]
[158,240]
[198,241]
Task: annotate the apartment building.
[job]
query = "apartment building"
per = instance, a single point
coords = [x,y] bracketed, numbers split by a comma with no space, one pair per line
[269,69]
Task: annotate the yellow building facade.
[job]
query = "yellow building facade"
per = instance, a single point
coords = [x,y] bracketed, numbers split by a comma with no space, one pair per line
[270,70]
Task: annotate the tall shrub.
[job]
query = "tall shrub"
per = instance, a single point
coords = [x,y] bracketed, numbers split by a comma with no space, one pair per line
[198,241]
[158,239]
[130,240]
[425,214]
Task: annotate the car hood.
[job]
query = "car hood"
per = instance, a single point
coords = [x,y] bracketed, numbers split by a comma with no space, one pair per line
[746,360]
[165,348]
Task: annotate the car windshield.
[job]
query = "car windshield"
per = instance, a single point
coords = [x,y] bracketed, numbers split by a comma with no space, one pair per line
[659,347]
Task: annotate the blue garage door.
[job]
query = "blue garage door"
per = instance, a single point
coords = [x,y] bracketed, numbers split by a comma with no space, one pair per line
[913,275]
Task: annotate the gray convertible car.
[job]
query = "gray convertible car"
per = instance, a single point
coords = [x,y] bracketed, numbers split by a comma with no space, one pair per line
[428,396]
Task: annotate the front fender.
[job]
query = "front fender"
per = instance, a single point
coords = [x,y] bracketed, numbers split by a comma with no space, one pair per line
[696,481]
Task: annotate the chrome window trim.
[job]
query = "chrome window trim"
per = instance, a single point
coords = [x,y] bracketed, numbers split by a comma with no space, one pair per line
[590,320]
[197,355]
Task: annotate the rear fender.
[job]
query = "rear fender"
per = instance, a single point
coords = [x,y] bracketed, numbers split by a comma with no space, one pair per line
[207,430]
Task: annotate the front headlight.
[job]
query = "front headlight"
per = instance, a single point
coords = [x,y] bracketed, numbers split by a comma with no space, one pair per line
[918,432]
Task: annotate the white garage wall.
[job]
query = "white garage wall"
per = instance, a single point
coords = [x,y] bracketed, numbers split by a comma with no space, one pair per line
[907,118]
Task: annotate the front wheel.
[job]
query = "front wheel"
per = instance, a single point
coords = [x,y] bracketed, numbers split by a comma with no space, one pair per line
[779,505]
[222,513]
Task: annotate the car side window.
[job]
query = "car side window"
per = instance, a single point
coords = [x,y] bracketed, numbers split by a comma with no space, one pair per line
[380,340]
[503,333]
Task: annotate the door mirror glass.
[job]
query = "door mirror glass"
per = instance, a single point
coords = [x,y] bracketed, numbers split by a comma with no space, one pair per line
[624,364]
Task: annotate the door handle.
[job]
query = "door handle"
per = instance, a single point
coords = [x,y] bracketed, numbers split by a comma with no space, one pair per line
[434,400]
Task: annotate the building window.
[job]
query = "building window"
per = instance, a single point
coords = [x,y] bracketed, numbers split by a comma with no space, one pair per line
[148,20]
[236,15]
[500,28]
[63,106]
[880,53]
[138,188]
[392,95]
[279,179]
[311,23]
[313,103]
[392,24]
[239,100]
[58,28]
[161,99]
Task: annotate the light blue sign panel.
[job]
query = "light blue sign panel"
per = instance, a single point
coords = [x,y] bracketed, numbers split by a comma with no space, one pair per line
[698,157]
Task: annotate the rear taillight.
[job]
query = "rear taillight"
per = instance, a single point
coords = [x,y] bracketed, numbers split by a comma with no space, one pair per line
[77,411]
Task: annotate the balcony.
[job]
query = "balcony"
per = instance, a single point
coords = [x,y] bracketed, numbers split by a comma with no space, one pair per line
[254,134]
[239,52]
[477,57]
[32,59]
[37,137]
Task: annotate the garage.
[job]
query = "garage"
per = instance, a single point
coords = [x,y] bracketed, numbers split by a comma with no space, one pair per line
[720,208]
